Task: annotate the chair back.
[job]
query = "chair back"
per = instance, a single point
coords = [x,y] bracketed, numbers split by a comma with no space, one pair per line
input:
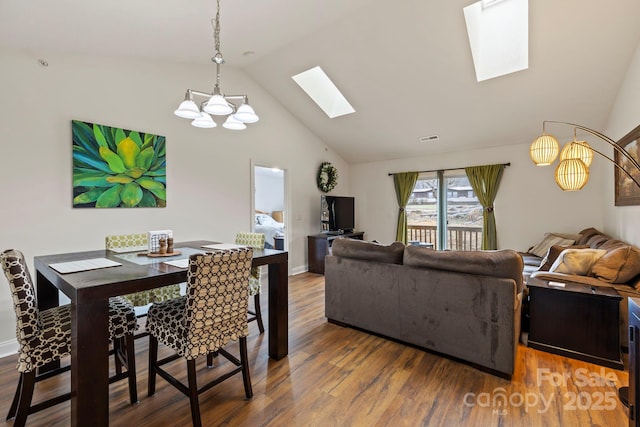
[23,293]
[217,299]
[253,240]
[122,241]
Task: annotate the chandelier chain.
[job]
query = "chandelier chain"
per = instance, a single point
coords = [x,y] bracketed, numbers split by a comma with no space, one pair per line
[216,28]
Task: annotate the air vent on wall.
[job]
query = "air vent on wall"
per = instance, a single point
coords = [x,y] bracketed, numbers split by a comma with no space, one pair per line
[430,138]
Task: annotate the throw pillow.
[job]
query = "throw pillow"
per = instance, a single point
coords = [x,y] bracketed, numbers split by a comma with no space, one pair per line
[586,234]
[549,240]
[577,261]
[618,265]
[553,253]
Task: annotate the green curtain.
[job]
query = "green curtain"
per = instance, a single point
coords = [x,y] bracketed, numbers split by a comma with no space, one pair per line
[485,181]
[403,183]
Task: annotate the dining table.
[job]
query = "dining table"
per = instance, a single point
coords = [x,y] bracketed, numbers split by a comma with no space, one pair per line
[90,290]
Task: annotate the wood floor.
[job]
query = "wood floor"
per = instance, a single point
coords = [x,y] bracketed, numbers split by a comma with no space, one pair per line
[337,376]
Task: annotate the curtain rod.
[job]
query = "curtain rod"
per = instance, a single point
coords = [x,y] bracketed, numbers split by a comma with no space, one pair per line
[449,169]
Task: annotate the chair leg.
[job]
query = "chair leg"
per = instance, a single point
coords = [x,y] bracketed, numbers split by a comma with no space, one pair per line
[16,399]
[193,393]
[244,360]
[131,368]
[153,358]
[256,303]
[117,347]
[26,393]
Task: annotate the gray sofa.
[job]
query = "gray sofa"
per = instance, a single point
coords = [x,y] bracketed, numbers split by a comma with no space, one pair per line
[462,304]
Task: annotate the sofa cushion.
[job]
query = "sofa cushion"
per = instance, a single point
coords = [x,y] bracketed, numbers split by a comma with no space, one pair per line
[358,249]
[553,253]
[597,240]
[577,261]
[618,265]
[549,240]
[586,234]
[505,263]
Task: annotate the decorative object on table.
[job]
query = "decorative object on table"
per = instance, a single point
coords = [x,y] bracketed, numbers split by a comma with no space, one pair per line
[217,103]
[572,171]
[117,168]
[327,178]
[154,238]
[626,192]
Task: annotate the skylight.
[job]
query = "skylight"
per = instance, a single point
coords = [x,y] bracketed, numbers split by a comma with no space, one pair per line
[323,92]
[499,36]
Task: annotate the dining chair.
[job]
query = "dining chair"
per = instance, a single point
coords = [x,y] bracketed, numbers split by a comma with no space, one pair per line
[143,298]
[44,336]
[210,315]
[256,241]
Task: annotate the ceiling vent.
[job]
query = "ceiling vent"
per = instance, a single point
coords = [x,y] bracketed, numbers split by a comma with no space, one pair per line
[429,138]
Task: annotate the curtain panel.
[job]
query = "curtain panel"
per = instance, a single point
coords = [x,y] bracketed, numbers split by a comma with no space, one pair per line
[403,183]
[485,181]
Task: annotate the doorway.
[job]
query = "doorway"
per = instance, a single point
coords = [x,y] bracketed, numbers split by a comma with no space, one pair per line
[269,205]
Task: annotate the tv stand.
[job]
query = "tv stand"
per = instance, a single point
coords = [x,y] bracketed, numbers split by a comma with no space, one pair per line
[318,246]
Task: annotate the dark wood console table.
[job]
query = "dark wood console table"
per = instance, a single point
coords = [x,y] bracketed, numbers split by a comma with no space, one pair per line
[577,320]
[318,247]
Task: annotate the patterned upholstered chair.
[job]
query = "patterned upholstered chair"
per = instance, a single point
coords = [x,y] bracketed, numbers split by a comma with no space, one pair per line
[143,298]
[256,241]
[213,312]
[45,336]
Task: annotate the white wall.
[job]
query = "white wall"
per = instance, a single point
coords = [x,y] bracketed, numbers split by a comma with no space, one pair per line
[528,203]
[208,170]
[623,221]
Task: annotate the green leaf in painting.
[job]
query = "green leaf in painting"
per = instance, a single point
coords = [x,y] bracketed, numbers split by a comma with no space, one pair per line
[114,161]
[136,172]
[160,193]
[135,137]
[144,158]
[88,197]
[149,183]
[128,152]
[120,179]
[119,135]
[147,201]
[97,133]
[110,198]
[131,194]
[91,180]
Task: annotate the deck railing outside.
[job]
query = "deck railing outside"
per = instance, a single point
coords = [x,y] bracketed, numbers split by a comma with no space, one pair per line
[460,238]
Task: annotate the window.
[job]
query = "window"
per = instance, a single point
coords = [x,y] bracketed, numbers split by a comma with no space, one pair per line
[449,219]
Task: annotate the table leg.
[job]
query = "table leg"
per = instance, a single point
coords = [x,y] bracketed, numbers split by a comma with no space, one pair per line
[278,310]
[89,363]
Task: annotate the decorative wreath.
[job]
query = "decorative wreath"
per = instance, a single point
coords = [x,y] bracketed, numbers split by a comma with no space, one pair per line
[327,177]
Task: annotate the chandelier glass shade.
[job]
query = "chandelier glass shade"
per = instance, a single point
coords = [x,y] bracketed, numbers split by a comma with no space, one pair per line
[572,172]
[217,103]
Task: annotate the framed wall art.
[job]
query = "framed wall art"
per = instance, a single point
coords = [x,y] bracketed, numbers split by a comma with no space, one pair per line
[117,168]
[627,192]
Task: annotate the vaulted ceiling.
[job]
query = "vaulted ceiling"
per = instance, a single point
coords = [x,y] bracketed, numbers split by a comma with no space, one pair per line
[405,66]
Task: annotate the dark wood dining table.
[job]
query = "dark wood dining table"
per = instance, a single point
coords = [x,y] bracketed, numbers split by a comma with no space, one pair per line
[89,292]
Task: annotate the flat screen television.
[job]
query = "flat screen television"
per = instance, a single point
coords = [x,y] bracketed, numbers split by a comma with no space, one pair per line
[337,214]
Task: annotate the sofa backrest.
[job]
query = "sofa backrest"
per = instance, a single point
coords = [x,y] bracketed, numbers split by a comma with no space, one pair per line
[369,251]
[505,263]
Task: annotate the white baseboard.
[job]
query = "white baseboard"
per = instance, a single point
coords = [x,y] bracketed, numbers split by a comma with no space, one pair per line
[8,348]
[299,270]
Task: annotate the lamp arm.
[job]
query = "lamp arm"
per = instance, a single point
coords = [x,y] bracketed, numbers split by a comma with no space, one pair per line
[616,165]
[609,141]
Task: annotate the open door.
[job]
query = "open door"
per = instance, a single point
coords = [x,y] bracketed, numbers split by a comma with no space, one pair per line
[269,204]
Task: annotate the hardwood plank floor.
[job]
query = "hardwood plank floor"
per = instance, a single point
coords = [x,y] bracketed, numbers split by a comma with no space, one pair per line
[337,376]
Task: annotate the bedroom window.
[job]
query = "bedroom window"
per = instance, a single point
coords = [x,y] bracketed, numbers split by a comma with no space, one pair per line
[444,211]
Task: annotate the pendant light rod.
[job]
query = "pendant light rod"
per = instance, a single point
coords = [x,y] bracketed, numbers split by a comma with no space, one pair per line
[217,103]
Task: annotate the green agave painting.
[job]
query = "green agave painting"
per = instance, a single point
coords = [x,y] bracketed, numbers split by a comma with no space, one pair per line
[117,168]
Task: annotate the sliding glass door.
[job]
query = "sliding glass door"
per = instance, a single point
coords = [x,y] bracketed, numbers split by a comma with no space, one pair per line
[444,212]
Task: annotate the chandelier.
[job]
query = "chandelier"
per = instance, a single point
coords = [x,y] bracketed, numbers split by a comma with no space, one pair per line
[216,103]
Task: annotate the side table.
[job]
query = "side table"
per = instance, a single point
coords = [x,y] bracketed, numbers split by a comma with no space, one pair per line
[577,320]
